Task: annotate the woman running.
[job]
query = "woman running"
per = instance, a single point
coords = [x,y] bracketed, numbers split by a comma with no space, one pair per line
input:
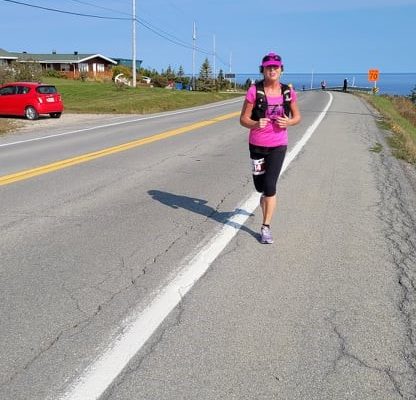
[269,108]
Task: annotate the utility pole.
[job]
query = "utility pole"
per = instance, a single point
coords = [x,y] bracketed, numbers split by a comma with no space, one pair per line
[193,55]
[214,53]
[235,81]
[134,44]
[312,79]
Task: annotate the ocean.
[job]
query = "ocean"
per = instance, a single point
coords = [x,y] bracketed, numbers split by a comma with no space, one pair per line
[388,83]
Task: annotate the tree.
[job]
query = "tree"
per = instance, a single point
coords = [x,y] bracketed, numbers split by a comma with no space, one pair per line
[180,76]
[181,72]
[247,84]
[412,95]
[222,83]
[170,73]
[205,72]
[205,81]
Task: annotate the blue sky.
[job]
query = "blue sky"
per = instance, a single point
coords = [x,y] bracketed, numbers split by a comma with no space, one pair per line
[320,35]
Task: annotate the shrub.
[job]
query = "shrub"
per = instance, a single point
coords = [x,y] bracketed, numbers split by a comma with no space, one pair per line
[412,95]
[406,108]
[27,71]
[6,75]
[122,69]
[53,73]
[83,76]
[160,81]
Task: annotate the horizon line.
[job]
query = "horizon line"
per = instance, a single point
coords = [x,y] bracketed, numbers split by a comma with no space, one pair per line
[334,73]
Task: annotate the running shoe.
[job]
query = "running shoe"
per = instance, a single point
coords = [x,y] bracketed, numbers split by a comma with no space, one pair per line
[266,235]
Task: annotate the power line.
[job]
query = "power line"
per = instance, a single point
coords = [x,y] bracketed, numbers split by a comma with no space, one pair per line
[101,7]
[181,43]
[66,12]
[157,31]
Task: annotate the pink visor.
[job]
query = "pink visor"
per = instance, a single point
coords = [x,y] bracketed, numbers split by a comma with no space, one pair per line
[271,59]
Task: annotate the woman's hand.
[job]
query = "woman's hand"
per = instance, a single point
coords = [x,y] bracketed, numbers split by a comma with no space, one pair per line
[283,122]
[262,122]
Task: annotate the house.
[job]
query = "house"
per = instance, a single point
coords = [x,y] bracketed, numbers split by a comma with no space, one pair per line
[6,58]
[72,65]
[128,62]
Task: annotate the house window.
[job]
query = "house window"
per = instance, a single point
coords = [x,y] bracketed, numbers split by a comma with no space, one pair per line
[65,67]
[100,67]
[83,67]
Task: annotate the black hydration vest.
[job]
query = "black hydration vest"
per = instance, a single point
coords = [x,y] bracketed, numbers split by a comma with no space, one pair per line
[260,107]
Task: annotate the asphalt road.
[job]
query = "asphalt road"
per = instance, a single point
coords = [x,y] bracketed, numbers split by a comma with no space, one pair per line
[327,312]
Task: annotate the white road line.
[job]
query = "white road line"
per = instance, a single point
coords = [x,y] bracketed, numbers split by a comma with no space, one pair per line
[119,123]
[138,328]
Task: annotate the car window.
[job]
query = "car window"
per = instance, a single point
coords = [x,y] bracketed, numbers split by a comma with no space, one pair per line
[22,90]
[46,89]
[8,90]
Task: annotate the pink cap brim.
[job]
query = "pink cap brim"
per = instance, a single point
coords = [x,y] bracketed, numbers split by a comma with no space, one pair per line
[270,63]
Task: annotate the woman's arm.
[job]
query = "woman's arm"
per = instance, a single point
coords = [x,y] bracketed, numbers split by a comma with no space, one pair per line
[296,117]
[245,117]
[285,121]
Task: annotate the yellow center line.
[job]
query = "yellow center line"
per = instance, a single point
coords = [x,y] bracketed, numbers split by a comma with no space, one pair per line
[44,169]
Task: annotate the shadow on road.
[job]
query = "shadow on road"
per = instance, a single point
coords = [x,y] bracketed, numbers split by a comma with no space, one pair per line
[200,206]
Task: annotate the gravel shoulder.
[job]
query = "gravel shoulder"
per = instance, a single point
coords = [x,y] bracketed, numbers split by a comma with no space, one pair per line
[66,121]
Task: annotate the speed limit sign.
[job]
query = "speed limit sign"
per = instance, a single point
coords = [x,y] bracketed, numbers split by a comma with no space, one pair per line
[373,75]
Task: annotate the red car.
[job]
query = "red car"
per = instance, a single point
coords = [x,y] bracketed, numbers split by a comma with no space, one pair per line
[30,99]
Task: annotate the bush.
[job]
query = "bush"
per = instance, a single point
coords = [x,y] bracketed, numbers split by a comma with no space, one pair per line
[160,81]
[6,75]
[122,69]
[405,108]
[27,71]
[83,76]
[53,73]
[412,95]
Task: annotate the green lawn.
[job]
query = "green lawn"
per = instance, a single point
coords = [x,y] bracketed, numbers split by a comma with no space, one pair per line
[97,97]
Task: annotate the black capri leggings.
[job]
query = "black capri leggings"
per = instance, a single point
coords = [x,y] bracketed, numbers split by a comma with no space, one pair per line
[267,163]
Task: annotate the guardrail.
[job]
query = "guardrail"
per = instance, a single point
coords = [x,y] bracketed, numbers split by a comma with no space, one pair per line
[340,89]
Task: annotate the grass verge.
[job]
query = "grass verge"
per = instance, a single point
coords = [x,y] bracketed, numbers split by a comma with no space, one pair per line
[97,97]
[399,116]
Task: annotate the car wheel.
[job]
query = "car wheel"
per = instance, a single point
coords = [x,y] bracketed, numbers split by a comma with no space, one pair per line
[31,113]
[55,115]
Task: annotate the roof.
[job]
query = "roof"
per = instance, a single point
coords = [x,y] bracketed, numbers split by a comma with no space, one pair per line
[6,55]
[27,83]
[53,58]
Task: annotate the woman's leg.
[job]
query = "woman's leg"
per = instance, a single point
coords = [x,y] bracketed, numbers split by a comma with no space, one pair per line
[274,162]
[258,170]
[268,206]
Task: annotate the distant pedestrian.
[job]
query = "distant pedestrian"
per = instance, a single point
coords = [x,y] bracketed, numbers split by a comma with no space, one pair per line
[323,85]
[269,108]
[344,87]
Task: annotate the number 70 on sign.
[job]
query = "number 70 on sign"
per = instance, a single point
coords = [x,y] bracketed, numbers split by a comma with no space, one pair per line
[373,75]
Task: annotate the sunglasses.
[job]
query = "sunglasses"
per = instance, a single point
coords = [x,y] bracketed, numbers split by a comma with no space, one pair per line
[272,67]
[272,58]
